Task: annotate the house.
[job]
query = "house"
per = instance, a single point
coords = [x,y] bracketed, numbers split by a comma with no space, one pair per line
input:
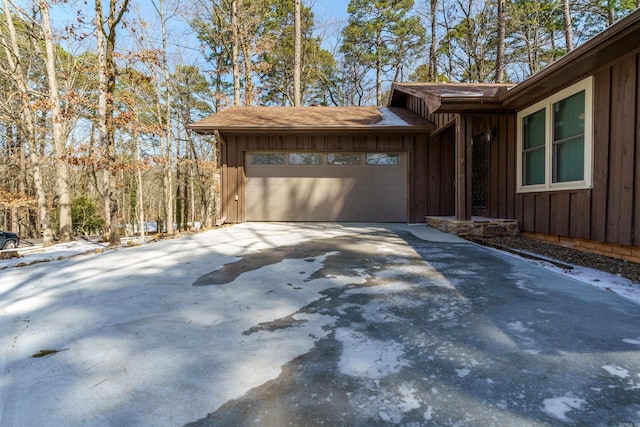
[559,153]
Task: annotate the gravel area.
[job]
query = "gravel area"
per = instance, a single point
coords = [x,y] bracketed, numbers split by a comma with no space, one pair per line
[559,254]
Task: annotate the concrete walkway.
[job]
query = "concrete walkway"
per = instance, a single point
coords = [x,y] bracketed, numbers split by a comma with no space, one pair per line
[433,330]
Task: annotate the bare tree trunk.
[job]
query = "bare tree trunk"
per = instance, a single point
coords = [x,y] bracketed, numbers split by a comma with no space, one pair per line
[568,31]
[106,90]
[297,61]
[57,124]
[165,137]
[140,198]
[235,43]
[433,61]
[248,71]
[378,72]
[500,43]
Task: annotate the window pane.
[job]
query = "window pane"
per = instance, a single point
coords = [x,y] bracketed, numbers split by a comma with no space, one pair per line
[267,158]
[533,130]
[383,159]
[569,160]
[568,117]
[533,147]
[533,167]
[343,158]
[305,158]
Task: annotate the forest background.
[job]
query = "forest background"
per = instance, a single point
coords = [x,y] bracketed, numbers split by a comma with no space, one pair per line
[96,95]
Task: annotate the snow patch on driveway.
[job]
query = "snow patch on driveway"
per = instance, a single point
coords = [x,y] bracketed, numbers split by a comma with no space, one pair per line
[616,371]
[365,357]
[558,407]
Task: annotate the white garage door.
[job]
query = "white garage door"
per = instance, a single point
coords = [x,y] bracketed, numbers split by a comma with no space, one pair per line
[312,186]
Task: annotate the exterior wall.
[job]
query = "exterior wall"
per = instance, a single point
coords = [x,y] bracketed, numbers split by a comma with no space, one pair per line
[418,106]
[234,146]
[610,211]
[439,160]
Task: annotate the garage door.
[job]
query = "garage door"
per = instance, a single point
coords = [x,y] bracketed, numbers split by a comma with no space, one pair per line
[312,186]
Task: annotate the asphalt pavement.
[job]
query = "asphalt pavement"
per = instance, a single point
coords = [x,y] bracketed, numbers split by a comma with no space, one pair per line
[433,330]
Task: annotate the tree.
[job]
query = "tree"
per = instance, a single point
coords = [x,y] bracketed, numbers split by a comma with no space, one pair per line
[433,60]
[568,31]
[382,36]
[500,42]
[84,214]
[472,41]
[278,63]
[59,130]
[105,32]
[532,26]
[19,75]
[297,61]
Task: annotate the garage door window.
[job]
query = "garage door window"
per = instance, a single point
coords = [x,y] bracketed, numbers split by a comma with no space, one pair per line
[383,159]
[305,158]
[267,158]
[343,158]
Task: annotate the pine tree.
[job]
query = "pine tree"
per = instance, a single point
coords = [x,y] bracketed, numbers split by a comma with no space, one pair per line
[382,36]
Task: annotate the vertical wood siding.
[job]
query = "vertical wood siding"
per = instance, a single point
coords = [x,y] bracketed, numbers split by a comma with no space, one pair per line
[235,146]
[610,211]
[439,162]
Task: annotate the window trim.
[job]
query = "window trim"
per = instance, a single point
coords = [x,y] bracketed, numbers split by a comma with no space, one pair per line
[585,85]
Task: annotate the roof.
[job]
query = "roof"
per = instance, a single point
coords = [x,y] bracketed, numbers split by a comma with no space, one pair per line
[312,119]
[453,97]
[617,41]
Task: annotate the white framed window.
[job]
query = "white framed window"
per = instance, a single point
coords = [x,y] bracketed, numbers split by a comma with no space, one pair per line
[555,141]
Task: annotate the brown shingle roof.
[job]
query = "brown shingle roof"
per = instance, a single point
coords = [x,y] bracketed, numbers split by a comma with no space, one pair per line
[314,119]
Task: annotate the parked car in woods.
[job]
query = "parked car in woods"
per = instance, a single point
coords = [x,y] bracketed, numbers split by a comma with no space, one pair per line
[8,240]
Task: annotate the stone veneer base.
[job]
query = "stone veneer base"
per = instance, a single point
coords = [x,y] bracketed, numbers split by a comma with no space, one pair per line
[476,227]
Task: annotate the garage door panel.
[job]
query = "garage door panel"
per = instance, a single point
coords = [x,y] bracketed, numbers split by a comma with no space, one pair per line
[365,193]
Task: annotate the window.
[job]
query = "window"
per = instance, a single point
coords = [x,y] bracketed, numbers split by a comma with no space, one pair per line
[305,158]
[383,159]
[267,158]
[555,141]
[343,158]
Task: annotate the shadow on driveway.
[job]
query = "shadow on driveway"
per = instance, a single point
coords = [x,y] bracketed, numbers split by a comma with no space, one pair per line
[437,331]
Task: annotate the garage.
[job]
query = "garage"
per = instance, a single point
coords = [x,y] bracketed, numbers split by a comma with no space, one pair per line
[350,164]
[326,186]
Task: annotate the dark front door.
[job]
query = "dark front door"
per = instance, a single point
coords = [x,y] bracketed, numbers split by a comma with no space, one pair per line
[480,174]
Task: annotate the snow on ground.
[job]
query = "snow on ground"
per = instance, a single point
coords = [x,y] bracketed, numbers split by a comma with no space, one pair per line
[135,341]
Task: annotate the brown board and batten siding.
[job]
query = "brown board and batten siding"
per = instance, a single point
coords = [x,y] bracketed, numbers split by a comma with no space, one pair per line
[235,146]
[610,211]
[418,106]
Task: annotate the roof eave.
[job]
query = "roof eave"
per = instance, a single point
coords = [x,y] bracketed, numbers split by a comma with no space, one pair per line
[313,130]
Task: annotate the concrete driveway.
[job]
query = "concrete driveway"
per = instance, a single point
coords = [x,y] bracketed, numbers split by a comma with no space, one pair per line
[265,324]
[431,330]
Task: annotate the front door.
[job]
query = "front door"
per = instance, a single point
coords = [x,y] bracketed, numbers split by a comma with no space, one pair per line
[480,174]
